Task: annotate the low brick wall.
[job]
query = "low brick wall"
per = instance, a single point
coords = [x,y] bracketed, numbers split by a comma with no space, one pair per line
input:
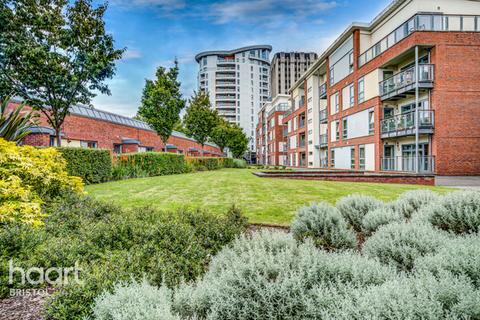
[427,180]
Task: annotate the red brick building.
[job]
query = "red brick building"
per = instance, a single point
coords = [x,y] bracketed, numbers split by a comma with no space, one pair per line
[93,128]
[271,132]
[401,93]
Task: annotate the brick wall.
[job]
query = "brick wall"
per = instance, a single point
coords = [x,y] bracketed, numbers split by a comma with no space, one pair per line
[106,134]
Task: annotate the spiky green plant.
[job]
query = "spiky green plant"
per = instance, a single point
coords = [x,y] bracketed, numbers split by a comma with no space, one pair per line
[16,124]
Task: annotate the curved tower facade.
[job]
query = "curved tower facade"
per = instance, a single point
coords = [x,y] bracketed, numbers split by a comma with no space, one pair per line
[238,83]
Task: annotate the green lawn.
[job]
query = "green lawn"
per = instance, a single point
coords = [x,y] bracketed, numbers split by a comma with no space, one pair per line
[262,200]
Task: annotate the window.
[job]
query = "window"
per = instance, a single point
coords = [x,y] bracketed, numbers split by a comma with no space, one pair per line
[337,102]
[88,144]
[350,61]
[352,94]
[361,90]
[117,148]
[337,130]
[332,158]
[344,129]
[371,122]
[361,157]
[352,158]
[331,77]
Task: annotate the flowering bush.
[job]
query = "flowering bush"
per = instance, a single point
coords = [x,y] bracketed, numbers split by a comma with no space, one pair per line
[29,177]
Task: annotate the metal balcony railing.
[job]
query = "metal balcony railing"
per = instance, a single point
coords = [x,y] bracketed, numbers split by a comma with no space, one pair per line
[406,78]
[323,115]
[404,124]
[426,164]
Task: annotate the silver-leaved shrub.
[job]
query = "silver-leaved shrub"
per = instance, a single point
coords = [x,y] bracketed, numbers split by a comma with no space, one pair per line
[324,225]
[410,202]
[379,217]
[353,208]
[134,301]
[400,244]
[456,212]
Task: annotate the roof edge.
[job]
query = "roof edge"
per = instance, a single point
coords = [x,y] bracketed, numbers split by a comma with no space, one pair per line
[229,52]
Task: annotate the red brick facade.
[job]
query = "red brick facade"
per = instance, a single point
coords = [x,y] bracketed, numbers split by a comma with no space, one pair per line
[275,138]
[108,134]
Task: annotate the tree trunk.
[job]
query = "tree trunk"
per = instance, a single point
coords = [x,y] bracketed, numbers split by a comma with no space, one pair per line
[58,137]
[202,151]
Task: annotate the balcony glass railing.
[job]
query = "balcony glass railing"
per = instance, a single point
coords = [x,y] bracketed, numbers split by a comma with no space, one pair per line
[323,115]
[323,139]
[301,123]
[405,78]
[426,164]
[323,162]
[406,121]
[301,143]
[421,22]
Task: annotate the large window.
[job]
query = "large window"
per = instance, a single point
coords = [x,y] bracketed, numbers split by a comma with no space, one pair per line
[352,94]
[361,157]
[361,90]
[371,122]
[344,129]
[337,130]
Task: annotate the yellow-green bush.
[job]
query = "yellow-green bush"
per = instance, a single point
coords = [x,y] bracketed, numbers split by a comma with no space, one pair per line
[30,177]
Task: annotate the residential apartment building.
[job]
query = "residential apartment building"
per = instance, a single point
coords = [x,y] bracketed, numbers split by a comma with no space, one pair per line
[237,82]
[287,68]
[86,127]
[400,93]
[271,144]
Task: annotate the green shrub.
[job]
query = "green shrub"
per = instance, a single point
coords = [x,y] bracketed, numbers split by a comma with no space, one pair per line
[353,208]
[239,164]
[147,164]
[271,276]
[210,163]
[459,256]
[112,244]
[411,201]
[134,301]
[92,165]
[457,212]
[381,216]
[400,244]
[324,225]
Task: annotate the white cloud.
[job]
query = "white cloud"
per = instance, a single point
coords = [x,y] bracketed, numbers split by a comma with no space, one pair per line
[132,54]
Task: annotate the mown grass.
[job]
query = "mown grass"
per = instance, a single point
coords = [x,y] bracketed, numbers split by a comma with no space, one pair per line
[262,200]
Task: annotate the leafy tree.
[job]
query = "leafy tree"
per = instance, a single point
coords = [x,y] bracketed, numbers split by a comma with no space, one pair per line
[237,141]
[200,120]
[221,134]
[162,102]
[16,124]
[55,53]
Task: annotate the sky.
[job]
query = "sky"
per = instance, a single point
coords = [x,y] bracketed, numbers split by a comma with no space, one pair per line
[155,32]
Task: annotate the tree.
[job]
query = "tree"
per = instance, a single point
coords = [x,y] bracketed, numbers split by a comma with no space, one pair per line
[237,142]
[55,53]
[199,119]
[221,134]
[162,102]
[15,125]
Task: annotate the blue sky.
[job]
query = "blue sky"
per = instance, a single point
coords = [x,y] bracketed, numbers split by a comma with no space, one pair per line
[156,31]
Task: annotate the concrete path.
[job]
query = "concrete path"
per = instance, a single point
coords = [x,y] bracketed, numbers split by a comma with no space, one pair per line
[461,182]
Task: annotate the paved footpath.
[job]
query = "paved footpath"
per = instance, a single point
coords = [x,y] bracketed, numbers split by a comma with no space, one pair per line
[461,182]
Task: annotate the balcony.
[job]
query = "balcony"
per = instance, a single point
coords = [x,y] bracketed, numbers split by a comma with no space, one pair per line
[404,124]
[323,143]
[226,69]
[301,123]
[226,83]
[426,164]
[225,97]
[323,116]
[301,142]
[221,61]
[403,83]
[323,91]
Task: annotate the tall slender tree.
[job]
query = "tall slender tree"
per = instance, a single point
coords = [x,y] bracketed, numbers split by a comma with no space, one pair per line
[221,134]
[237,142]
[55,54]
[200,119]
[162,102]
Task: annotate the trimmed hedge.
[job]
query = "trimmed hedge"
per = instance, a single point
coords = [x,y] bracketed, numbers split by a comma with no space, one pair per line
[92,165]
[148,164]
[210,163]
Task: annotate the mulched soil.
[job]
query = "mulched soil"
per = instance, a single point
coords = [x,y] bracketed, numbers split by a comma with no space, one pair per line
[25,305]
